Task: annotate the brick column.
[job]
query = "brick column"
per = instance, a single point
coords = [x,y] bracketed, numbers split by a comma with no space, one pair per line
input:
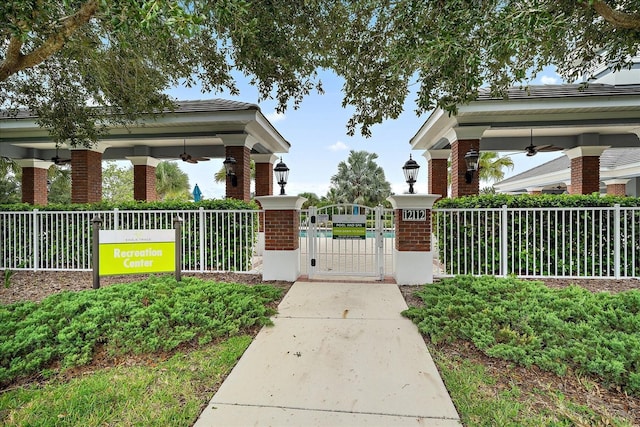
[34,181]
[585,169]
[144,178]
[242,190]
[86,176]
[616,187]
[459,186]
[438,171]
[413,258]
[281,258]
[264,173]
[264,187]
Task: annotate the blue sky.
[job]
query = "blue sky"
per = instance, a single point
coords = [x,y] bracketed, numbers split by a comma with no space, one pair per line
[319,141]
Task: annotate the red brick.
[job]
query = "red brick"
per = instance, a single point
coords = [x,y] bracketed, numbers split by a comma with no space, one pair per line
[459,186]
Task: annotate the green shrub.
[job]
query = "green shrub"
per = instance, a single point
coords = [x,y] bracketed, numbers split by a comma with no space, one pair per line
[157,314]
[529,323]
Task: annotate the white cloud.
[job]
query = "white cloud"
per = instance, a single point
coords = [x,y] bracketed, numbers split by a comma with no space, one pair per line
[338,146]
[549,80]
[275,117]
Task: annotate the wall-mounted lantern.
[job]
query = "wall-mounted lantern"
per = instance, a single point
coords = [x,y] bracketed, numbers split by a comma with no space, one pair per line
[471,159]
[230,169]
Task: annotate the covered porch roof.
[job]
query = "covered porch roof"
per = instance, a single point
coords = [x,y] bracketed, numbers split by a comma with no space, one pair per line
[205,127]
[565,116]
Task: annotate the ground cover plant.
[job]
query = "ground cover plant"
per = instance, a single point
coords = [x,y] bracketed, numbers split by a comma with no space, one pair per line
[592,334]
[155,315]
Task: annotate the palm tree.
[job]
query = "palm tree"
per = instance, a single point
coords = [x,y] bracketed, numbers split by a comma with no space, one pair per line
[171,182]
[360,179]
[491,166]
[312,200]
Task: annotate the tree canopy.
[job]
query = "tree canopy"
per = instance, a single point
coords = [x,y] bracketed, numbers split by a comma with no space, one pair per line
[61,58]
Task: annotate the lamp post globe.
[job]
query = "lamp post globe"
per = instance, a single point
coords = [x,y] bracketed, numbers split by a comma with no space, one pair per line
[410,170]
[282,174]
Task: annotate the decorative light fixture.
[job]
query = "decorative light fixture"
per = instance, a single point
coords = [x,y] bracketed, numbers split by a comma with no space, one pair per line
[471,159]
[230,169]
[282,174]
[410,170]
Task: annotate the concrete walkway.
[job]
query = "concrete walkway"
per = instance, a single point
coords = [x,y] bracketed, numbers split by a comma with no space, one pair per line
[340,354]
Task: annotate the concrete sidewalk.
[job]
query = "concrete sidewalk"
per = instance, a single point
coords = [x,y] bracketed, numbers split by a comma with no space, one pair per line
[340,354]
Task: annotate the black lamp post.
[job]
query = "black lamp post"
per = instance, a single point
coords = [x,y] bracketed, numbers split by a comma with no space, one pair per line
[282,174]
[410,170]
[230,168]
[471,159]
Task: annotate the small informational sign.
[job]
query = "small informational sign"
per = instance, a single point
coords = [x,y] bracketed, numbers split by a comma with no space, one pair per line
[137,252]
[349,227]
[323,218]
[414,214]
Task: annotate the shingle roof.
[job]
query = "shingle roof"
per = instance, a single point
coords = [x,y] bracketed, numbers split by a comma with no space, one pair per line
[198,106]
[561,91]
[611,158]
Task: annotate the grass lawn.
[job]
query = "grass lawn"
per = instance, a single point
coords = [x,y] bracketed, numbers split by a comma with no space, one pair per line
[169,393]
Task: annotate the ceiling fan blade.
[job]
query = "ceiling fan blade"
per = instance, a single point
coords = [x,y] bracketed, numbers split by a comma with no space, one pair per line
[201,159]
[192,161]
[548,148]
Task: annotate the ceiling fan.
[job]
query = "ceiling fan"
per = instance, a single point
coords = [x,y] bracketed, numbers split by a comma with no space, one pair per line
[58,161]
[186,157]
[532,150]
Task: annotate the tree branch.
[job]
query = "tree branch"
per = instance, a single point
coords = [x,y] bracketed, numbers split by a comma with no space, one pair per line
[615,17]
[15,61]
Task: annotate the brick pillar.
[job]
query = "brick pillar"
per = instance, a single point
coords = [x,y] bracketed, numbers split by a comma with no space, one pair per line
[86,176]
[264,173]
[438,171]
[585,169]
[144,178]
[459,186]
[264,187]
[413,258]
[34,181]
[616,187]
[281,258]
[242,190]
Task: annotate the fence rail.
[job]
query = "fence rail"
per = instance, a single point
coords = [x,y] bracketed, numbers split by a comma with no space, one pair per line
[539,242]
[213,240]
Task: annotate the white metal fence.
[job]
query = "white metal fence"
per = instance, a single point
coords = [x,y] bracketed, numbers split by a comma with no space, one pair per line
[539,242]
[213,240]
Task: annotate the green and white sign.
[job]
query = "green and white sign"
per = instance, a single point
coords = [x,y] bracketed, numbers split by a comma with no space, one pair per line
[349,227]
[137,252]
